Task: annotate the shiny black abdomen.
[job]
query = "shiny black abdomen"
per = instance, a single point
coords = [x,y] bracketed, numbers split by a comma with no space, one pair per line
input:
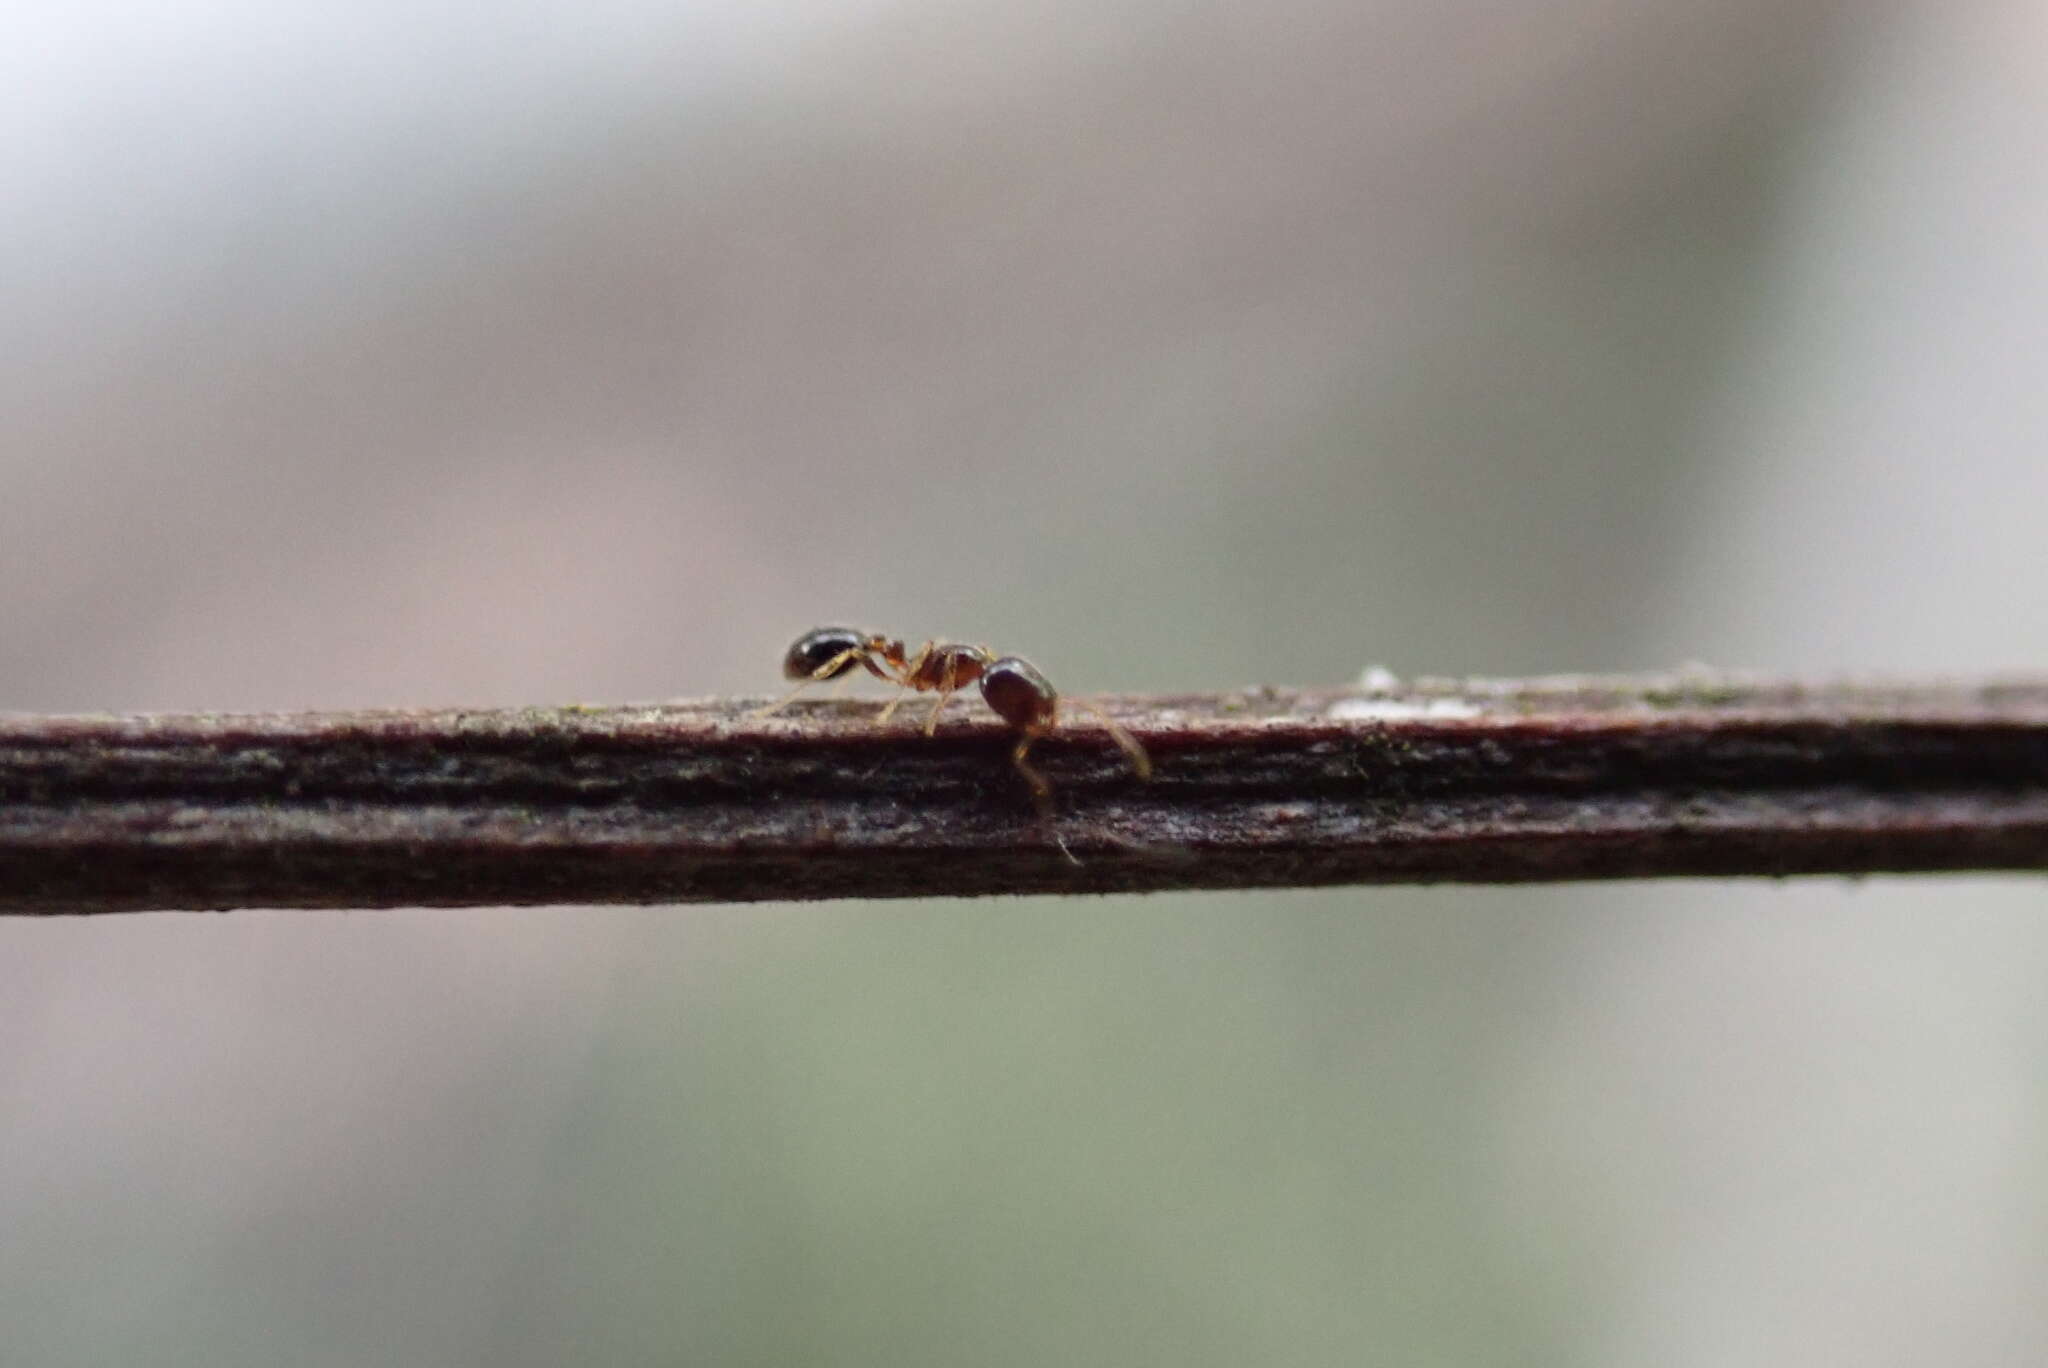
[817,648]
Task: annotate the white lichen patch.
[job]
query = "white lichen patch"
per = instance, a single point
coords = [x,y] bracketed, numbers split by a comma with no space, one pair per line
[1401,709]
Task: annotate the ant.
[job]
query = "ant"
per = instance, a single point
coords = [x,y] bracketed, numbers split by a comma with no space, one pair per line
[1011,685]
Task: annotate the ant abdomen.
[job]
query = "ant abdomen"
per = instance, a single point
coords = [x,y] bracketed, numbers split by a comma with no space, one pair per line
[832,649]
[829,652]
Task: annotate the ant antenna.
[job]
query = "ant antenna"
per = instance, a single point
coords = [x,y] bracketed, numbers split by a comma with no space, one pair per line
[1061,842]
[1141,762]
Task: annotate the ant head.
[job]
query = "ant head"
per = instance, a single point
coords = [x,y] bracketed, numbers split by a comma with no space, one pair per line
[1018,693]
[820,646]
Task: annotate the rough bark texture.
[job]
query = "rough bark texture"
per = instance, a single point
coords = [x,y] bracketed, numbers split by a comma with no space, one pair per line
[1480,781]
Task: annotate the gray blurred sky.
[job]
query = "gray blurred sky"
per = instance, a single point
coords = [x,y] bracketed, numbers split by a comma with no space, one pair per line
[397,355]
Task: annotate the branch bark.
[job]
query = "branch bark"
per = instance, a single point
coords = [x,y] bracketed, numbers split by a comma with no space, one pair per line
[1477,781]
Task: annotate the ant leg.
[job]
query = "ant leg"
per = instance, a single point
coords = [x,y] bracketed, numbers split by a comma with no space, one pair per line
[1140,761]
[947,686]
[907,673]
[826,670]
[822,672]
[889,709]
[779,704]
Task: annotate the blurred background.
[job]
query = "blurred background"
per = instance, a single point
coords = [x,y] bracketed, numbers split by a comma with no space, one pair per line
[383,354]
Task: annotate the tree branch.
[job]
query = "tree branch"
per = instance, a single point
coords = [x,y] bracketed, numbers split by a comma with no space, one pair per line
[1478,781]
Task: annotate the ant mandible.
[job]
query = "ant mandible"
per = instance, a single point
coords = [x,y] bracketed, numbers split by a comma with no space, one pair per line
[1011,685]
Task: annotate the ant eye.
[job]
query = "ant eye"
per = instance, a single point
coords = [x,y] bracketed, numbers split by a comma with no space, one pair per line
[1018,693]
[816,649]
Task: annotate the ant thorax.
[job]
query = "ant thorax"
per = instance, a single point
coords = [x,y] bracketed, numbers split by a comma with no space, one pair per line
[945,665]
